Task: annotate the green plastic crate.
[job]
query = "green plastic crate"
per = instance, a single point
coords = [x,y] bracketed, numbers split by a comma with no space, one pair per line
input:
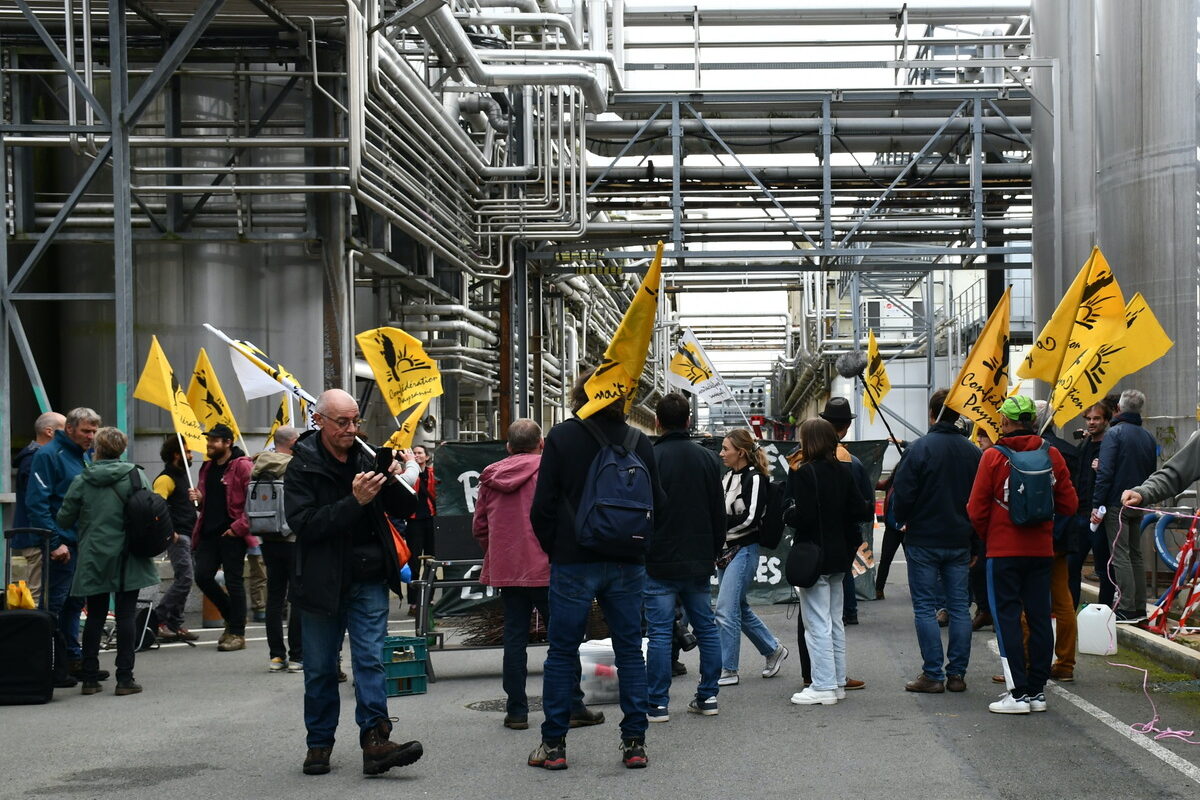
[398,649]
[399,687]
[404,669]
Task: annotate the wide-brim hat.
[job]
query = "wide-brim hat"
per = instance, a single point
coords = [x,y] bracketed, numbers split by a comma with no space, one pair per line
[837,411]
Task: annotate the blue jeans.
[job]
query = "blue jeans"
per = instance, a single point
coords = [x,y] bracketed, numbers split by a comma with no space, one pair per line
[938,575]
[364,615]
[694,594]
[618,588]
[824,631]
[63,604]
[733,611]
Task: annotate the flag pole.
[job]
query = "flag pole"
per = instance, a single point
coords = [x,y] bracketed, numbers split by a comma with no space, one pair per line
[183,451]
[882,416]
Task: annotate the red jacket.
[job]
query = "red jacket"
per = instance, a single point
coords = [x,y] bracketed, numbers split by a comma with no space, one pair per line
[991,521]
[511,553]
[236,480]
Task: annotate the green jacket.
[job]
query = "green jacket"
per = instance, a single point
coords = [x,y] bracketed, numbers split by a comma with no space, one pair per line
[1175,476]
[95,505]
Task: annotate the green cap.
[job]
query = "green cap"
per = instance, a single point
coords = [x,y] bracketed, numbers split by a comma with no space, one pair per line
[1018,408]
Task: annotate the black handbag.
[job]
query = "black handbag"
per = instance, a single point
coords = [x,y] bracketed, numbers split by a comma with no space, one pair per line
[803,565]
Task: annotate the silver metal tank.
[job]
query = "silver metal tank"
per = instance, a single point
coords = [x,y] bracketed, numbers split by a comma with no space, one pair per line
[1129,173]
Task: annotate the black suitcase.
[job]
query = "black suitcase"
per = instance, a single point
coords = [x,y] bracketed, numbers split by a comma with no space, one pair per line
[27,638]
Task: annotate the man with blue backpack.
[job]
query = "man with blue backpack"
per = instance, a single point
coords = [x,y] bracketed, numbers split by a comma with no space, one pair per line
[593,513]
[1021,485]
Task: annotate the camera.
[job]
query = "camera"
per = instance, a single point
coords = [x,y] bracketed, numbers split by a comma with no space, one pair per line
[1078,433]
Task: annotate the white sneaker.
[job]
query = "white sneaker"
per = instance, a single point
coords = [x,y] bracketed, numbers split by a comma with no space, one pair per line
[276,665]
[295,666]
[812,697]
[1007,704]
[729,677]
[1037,702]
[774,662]
[840,692]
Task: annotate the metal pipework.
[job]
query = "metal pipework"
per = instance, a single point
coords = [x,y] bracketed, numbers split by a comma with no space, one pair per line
[431,309]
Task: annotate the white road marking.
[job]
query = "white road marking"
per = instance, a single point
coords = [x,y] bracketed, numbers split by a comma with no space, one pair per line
[1182,765]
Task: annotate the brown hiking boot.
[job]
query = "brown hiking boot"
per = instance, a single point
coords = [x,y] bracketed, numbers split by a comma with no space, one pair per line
[380,755]
[317,760]
[982,620]
[925,684]
[955,683]
[232,642]
[1062,674]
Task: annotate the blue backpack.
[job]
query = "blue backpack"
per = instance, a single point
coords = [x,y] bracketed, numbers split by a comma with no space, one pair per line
[616,511]
[1029,490]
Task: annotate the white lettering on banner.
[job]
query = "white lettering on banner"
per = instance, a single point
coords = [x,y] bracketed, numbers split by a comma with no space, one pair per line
[470,484]
[772,566]
[469,594]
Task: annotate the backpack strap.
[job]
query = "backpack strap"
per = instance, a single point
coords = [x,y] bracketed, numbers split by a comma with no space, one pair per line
[597,434]
[631,439]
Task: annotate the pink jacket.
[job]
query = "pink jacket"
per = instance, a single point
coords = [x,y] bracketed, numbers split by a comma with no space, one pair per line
[511,553]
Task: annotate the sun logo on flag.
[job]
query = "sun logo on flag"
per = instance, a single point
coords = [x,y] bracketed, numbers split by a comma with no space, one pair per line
[399,361]
[695,370]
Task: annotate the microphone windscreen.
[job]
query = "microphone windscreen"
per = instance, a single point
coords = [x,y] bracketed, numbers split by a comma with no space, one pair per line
[848,365]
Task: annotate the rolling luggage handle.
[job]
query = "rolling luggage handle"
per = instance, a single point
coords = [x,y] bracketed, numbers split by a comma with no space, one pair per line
[45,535]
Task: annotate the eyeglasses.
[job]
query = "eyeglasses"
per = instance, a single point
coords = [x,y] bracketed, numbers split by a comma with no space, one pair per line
[342,422]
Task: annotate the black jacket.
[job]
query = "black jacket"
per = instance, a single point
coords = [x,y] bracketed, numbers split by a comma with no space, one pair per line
[323,514]
[566,459]
[1128,454]
[933,483]
[828,510]
[690,534]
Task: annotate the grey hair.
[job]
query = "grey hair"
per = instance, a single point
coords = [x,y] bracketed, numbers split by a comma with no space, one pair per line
[524,435]
[1132,401]
[1042,421]
[48,420]
[82,414]
[285,436]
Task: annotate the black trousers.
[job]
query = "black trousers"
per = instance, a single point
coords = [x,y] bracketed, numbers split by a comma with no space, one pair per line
[280,560]
[1022,584]
[97,611]
[226,553]
[418,535]
[892,539]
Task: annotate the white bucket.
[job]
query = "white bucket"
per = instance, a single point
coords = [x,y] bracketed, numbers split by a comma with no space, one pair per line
[598,671]
[1097,630]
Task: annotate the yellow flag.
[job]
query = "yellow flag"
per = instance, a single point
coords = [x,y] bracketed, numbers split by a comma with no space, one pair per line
[1098,369]
[1090,313]
[982,384]
[157,386]
[877,381]
[206,398]
[403,438]
[283,416]
[405,374]
[618,375]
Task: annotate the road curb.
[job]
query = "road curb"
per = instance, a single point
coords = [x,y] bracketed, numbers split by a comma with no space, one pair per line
[1174,656]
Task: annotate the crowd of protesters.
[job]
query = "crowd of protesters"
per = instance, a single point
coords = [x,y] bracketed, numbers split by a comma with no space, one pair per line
[337,550]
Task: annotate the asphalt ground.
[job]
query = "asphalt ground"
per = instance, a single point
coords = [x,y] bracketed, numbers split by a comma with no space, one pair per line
[213,725]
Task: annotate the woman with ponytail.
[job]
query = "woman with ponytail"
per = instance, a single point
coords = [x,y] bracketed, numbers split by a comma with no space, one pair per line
[746,491]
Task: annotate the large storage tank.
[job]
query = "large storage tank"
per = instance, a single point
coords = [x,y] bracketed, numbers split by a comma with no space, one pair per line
[1142,150]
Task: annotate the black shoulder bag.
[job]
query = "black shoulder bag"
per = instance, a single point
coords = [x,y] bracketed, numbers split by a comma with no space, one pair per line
[803,565]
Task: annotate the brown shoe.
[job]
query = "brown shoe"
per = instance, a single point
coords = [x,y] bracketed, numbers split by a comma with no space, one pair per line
[925,684]
[233,642]
[981,620]
[851,684]
[183,634]
[955,683]
[380,755]
[997,679]
[317,761]
[1062,674]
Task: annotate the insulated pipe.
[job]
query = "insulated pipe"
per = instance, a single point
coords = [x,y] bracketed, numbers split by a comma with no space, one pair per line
[877,171]
[443,20]
[453,326]
[767,126]
[528,6]
[474,103]
[663,227]
[832,14]
[551,56]
[538,20]
[429,309]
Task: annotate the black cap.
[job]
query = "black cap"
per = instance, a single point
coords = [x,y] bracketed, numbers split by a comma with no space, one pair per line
[220,431]
[837,411]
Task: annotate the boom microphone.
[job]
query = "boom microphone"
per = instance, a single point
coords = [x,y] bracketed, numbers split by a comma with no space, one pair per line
[852,364]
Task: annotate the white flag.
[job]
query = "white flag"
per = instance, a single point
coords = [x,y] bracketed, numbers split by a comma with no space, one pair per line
[691,369]
[255,383]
